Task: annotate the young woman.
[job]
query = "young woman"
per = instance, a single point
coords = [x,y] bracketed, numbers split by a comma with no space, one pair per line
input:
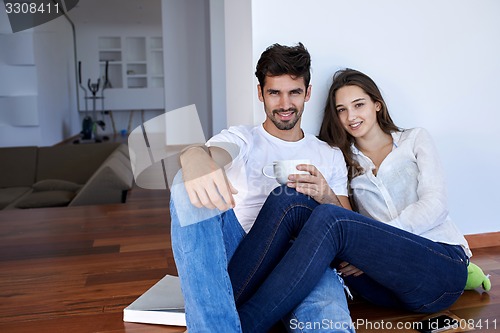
[401,249]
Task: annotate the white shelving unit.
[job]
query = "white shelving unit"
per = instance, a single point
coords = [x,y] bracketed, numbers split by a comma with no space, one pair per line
[135,71]
[136,62]
[110,50]
[133,62]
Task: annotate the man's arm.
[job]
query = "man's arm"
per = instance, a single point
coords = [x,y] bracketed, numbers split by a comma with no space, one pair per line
[205,179]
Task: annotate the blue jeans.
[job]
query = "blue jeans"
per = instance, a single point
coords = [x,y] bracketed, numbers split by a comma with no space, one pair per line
[202,251]
[400,268]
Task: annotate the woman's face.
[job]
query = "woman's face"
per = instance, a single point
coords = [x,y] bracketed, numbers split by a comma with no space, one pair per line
[356,111]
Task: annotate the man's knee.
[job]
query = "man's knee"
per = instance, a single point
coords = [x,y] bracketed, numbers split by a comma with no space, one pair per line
[178,192]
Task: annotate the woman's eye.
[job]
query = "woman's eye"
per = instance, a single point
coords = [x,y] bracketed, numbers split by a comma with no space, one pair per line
[340,110]
[358,105]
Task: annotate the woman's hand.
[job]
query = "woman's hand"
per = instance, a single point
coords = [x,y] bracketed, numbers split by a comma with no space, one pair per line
[312,184]
[346,269]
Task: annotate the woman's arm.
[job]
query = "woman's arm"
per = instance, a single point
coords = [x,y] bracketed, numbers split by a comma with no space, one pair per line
[431,208]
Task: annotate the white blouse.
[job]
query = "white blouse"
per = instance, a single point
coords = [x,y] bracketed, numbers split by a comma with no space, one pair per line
[408,191]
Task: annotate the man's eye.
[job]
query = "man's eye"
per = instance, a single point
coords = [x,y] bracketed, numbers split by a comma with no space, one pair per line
[358,105]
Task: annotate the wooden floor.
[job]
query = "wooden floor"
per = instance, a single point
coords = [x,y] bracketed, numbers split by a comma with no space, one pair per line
[74,269]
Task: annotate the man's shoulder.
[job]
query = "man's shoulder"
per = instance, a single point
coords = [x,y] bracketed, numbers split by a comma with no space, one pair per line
[242,132]
[242,129]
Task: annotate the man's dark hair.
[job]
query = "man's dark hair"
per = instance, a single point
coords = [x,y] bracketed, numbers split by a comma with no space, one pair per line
[278,60]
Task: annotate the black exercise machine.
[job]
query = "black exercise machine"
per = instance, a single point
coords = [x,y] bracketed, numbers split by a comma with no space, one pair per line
[90,124]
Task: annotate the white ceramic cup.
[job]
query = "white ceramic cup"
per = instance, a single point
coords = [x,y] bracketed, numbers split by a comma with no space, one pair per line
[282,169]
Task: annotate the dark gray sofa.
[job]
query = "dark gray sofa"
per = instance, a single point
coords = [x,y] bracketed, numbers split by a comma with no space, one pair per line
[65,175]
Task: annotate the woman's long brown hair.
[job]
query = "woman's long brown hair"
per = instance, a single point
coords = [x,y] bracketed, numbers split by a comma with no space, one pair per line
[332,131]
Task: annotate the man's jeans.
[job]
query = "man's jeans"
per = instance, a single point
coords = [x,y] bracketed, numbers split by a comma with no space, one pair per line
[202,251]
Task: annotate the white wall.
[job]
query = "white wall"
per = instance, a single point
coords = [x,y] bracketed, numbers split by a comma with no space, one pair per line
[54,59]
[240,65]
[218,65]
[42,60]
[437,63]
[19,119]
[186,45]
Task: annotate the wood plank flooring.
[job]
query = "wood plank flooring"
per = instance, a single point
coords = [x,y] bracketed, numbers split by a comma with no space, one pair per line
[74,269]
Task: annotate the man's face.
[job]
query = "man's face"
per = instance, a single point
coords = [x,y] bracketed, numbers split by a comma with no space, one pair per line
[284,98]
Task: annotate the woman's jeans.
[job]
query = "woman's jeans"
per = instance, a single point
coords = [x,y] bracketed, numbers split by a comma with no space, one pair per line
[203,241]
[295,240]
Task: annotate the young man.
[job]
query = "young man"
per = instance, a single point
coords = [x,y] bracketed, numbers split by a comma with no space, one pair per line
[222,190]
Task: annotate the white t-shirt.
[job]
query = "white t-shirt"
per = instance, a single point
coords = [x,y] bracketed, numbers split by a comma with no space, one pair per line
[256,148]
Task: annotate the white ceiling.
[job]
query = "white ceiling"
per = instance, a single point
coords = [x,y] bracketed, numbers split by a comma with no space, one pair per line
[147,12]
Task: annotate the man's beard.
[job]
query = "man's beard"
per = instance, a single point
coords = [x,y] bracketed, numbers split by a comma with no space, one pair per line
[288,125]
